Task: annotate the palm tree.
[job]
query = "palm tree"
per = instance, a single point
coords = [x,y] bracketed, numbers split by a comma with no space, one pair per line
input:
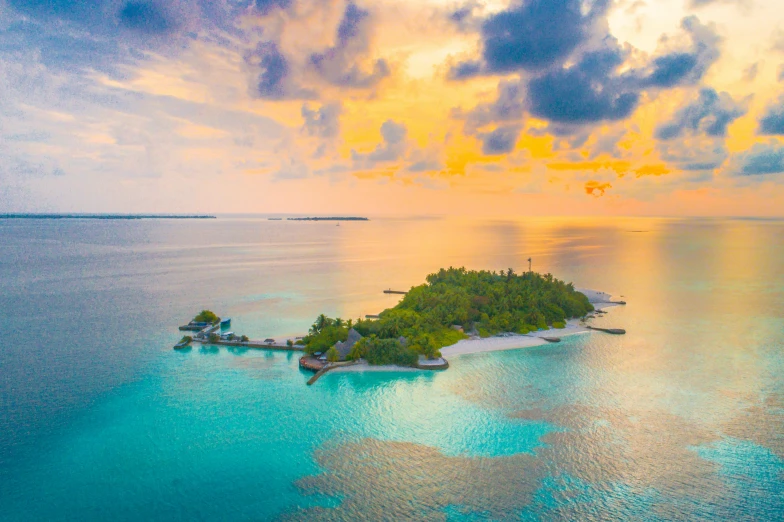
[322,321]
[338,322]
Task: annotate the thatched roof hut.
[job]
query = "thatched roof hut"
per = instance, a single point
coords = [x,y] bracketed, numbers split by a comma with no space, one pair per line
[344,348]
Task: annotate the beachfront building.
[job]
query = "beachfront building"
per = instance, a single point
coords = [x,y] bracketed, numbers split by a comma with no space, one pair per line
[344,347]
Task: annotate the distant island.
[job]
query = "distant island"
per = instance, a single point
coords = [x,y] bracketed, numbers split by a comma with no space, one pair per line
[104,216]
[330,218]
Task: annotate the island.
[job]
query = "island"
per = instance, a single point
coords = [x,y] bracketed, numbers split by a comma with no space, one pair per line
[105,216]
[328,218]
[456,311]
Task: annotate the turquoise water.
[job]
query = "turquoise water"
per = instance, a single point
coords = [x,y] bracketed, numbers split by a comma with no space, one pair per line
[682,418]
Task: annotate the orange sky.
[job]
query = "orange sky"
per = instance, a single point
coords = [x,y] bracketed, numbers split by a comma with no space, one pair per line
[179,120]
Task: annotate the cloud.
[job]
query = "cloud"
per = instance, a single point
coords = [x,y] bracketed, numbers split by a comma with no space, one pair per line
[500,141]
[509,106]
[750,73]
[265,7]
[761,160]
[596,188]
[694,154]
[589,91]
[772,122]
[532,36]
[339,65]
[597,85]
[686,67]
[780,75]
[274,81]
[696,4]
[464,16]
[392,148]
[710,115]
[778,41]
[323,122]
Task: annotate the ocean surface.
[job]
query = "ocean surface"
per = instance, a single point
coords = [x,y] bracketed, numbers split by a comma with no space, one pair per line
[680,419]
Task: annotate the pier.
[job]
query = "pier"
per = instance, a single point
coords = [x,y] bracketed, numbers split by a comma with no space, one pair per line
[614,331]
[328,367]
[255,344]
[390,291]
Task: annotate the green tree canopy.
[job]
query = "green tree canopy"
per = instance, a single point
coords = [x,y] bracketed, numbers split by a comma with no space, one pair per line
[489,302]
[206,316]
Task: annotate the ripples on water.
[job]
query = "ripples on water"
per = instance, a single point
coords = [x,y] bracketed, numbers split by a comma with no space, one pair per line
[681,419]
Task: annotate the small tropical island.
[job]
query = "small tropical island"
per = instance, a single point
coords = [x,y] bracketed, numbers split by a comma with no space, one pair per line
[457,311]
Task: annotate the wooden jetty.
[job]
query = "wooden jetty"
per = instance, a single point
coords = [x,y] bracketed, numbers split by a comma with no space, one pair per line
[256,345]
[328,367]
[390,291]
[614,331]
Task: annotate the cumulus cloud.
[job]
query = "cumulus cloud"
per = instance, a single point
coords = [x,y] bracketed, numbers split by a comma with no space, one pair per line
[323,122]
[761,160]
[694,139]
[274,80]
[340,65]
[750,73]
[501,140]
[710,114]
[532,36]
[392,148]
[699,154]
[772,122]
[685,66]
[581,79]
[591,90]
[509,106]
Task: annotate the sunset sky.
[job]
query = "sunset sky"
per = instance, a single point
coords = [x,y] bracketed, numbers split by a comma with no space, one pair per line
[540,107]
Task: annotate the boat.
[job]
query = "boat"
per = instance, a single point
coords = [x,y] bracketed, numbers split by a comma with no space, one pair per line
[226,322]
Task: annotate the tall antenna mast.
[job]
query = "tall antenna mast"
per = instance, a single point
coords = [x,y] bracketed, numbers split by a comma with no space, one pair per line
[529,264]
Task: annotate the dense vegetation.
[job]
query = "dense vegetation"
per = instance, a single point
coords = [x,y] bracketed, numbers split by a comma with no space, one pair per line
[206,316]
[435,314]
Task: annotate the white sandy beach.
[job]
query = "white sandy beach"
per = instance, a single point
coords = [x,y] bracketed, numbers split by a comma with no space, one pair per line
[600,300]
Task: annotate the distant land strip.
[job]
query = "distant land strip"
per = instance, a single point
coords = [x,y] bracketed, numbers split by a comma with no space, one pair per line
[331,218]
[103,216]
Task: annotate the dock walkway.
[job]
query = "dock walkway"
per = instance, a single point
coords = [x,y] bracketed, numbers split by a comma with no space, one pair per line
[255,344]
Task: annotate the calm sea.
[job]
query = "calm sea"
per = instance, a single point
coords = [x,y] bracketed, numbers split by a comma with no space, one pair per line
[680,419]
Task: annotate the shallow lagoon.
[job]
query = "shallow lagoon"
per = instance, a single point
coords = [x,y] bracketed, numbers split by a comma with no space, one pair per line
[681,418]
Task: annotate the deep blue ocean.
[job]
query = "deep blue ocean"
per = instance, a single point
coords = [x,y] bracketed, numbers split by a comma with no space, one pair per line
[680,419]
